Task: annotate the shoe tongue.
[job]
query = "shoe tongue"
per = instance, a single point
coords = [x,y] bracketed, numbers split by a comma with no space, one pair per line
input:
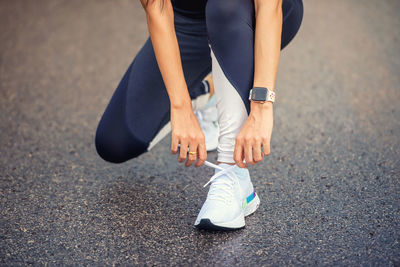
[241,172]
[223,165]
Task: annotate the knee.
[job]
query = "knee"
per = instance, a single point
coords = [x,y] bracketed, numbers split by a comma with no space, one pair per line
[220,12]
[226,13]
[292,18]
[116,149]
[108,149]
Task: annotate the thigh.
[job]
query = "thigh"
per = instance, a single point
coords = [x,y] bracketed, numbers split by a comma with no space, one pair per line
[140,107]
[195,51]
[114,141]
[147,105]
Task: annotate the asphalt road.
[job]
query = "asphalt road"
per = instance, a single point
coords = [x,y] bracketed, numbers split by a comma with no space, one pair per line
[329,190]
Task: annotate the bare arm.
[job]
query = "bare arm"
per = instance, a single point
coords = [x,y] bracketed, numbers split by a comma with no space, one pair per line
[160,21]
[267,44]
[186,130]
[257,130]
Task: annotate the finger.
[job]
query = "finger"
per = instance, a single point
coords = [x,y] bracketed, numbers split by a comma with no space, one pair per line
[257,155]
[183,151]
[202,154]
[191,157]
[238,155]
[248,154]
[174,144]
[266,148]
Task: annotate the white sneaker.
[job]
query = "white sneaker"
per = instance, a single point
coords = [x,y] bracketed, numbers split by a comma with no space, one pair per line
[208,120]
[230,199]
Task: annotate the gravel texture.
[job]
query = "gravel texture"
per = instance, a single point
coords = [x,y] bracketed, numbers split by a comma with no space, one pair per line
[329,190]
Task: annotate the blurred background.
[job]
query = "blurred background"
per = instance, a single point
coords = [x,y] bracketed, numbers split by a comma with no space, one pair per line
[329,190]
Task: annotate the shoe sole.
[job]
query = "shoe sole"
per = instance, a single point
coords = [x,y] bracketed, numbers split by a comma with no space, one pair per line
[235,224]
[206,224]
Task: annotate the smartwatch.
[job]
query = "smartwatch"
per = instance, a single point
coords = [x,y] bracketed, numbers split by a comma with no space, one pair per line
[262,94]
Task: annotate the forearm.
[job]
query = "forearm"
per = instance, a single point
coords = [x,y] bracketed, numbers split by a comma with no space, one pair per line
[267,42]
[160,20]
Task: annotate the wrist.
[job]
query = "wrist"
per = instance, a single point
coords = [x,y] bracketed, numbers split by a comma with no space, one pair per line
[181,101]
[270,86]
[261,95]
[260,108]
[181,104]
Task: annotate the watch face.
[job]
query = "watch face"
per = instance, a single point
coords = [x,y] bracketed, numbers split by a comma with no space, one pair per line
[259,94]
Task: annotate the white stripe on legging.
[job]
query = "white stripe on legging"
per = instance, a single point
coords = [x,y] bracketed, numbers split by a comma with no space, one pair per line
[232,112]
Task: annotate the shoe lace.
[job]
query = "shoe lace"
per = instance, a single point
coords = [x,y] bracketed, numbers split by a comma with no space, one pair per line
[222,182]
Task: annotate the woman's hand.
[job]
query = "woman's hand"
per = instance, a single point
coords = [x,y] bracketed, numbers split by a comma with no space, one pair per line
[185,127]
[253,140]
[186,131]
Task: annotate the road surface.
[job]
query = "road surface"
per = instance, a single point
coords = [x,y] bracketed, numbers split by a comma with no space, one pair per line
[329,190]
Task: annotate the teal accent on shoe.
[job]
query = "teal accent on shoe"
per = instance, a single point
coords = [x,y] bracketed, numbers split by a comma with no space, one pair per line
[249,199]
[211,102]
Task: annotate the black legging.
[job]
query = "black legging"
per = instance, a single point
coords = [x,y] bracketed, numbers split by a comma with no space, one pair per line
[140,105]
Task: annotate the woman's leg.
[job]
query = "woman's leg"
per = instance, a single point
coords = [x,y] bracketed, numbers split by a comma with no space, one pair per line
[140,106]
[119,135]
[230,26]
